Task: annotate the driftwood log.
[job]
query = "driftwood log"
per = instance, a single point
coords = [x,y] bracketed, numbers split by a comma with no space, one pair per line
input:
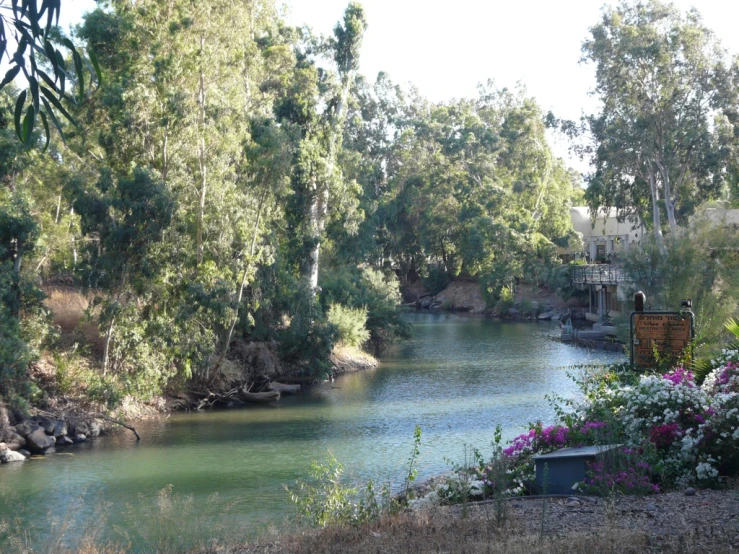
[258,397]
[283,388]
[124,425]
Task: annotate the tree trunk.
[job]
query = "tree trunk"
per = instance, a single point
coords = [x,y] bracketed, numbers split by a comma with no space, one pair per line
[17,262]
[315,221]
[201,161]
[240,294]
[669,200]
[165,153]
[656,217]
[108,339]
[318,209]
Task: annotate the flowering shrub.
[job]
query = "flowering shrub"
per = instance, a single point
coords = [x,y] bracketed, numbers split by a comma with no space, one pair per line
[625,473]
[674,432]
[680,376]
[659,401]
[725,378]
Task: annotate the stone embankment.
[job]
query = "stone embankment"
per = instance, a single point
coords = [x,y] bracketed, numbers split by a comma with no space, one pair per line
[43,435]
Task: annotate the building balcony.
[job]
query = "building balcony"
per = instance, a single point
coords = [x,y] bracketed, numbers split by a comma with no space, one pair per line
[600,274]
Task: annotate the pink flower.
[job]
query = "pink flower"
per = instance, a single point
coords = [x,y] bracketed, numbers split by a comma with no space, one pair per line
[664,435]
[680,376]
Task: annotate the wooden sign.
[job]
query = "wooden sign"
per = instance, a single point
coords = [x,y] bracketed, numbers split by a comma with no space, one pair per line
[666,333]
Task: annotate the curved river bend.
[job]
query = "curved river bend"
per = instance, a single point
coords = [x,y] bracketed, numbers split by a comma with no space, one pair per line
[457,378]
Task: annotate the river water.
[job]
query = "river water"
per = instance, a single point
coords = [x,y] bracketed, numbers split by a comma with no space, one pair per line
[457,378]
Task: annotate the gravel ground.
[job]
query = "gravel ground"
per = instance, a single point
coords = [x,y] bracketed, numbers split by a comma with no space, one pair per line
[707,521]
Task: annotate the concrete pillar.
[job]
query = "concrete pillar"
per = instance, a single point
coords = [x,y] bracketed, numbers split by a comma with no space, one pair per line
[590,299]
[593,250]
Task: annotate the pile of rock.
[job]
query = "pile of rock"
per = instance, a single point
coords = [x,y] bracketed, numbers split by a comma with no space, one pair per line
[43,435]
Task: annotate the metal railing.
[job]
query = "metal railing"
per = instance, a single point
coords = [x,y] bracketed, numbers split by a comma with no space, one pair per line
[602,274]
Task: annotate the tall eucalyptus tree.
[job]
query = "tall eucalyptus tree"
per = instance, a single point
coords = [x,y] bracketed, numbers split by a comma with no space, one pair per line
[664,84]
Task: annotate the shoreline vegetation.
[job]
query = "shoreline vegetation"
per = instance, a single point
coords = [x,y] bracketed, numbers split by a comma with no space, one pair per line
[250,367]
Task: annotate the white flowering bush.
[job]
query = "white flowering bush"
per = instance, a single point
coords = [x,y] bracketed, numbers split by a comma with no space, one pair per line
[725,376]
[659,403]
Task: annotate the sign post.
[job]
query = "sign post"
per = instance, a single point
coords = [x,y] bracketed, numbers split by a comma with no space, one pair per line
[659,335]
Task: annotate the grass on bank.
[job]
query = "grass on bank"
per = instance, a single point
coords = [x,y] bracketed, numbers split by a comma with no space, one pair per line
[438,530]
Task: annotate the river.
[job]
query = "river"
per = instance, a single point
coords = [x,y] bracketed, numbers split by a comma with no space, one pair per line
[457,378]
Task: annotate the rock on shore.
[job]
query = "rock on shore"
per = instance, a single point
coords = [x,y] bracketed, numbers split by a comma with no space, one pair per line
[7,455]
[42,435]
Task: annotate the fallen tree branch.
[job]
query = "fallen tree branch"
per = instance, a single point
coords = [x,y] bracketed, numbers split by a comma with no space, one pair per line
[126,425]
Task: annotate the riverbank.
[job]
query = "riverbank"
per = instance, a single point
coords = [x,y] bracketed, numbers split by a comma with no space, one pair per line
[664,523]
[63,420]
[530,302]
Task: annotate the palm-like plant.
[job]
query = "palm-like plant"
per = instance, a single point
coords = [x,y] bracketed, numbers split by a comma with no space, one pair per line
[701,368]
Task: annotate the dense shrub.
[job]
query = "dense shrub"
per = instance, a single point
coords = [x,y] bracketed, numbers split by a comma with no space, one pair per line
[436,280]
[349,323]
[15,356]
[370,290]
[308,340]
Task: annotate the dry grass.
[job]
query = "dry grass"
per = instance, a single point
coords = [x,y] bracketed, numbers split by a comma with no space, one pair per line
[449,530]
[440,531]
[69,307]
[346,359]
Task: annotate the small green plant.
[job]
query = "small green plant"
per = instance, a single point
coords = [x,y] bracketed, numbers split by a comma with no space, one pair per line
[505,301]
[527,307]
[497,478]
[326,500]
[412,472]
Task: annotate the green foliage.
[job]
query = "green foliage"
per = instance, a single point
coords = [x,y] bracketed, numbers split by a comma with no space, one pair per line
[665,138]
[350,324]
[24,325]
[559,279]
[32,27]
[505,301]
[412,472]
[15,356]
[527,307]
[309,339]
[699,263]
[436,280]
[371,290]
[216,167]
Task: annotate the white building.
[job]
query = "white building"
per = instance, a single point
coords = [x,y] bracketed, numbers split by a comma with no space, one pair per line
[605,237]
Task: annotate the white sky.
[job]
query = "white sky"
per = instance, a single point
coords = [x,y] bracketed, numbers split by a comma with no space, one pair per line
[447,48]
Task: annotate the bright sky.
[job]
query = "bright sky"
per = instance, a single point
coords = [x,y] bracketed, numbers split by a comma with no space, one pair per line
[446,48]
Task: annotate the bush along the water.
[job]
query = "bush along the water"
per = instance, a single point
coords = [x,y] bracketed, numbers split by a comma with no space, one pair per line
[671,432]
